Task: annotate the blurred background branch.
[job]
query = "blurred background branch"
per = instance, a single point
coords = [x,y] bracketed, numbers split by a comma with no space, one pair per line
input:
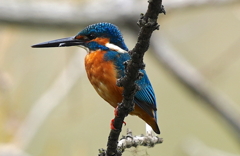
[42,108]
[50,99]
[190,77]
[64,14]
[195,147]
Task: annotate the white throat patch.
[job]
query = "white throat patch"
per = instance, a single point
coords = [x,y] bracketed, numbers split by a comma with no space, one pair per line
[115,48]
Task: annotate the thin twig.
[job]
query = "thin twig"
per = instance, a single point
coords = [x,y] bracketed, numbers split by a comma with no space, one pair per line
[129,141]
[148,23]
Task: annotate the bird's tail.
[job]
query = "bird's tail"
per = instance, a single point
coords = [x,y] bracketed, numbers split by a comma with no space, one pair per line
[149,119]
[153,123]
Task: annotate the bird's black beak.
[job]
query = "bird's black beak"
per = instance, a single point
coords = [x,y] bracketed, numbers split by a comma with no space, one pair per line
[64,42]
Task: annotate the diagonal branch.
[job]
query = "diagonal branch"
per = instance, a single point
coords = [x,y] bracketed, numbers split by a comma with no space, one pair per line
[148,23]
[129,141]
[197,83]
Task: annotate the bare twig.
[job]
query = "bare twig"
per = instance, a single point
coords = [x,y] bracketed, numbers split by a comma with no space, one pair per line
[147,23]
[129,141]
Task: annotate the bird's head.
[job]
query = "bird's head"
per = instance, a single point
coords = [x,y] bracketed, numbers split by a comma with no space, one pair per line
[103,36]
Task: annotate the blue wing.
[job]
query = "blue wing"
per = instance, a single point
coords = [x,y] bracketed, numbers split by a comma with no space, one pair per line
[145,97]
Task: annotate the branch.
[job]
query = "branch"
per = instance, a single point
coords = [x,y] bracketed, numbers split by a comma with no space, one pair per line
[129,141]
[147,23]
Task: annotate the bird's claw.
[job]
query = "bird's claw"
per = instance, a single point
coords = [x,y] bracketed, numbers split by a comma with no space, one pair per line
[112,126]
[112,121]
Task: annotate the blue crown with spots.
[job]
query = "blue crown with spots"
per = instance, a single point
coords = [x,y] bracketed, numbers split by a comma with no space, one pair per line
[105,30]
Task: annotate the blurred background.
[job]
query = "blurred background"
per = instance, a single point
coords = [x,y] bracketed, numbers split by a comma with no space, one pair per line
[48,107]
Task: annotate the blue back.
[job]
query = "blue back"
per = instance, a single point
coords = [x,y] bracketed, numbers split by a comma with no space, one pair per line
[145,97]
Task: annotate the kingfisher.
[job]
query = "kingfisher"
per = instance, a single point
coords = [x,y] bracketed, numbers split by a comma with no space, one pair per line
[104,64]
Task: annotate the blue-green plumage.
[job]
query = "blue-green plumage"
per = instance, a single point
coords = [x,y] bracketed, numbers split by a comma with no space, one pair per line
[105,30]
[145,97]
[96,46]
[107,51]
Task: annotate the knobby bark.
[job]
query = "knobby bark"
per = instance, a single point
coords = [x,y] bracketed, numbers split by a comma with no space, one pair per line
[147,23]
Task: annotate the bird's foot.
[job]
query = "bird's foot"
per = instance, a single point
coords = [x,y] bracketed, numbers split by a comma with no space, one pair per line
[112,126]
[112,121]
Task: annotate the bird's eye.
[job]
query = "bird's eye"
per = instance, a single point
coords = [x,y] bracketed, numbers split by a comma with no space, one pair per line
[91,36]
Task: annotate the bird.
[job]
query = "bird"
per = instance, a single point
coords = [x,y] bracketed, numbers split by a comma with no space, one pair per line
[104,64]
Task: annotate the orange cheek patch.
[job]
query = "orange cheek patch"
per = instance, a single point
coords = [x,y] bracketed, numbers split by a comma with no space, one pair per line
[80,37]
[102,41]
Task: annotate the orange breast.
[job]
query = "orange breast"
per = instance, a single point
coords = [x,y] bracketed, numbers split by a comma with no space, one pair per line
[102,75]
